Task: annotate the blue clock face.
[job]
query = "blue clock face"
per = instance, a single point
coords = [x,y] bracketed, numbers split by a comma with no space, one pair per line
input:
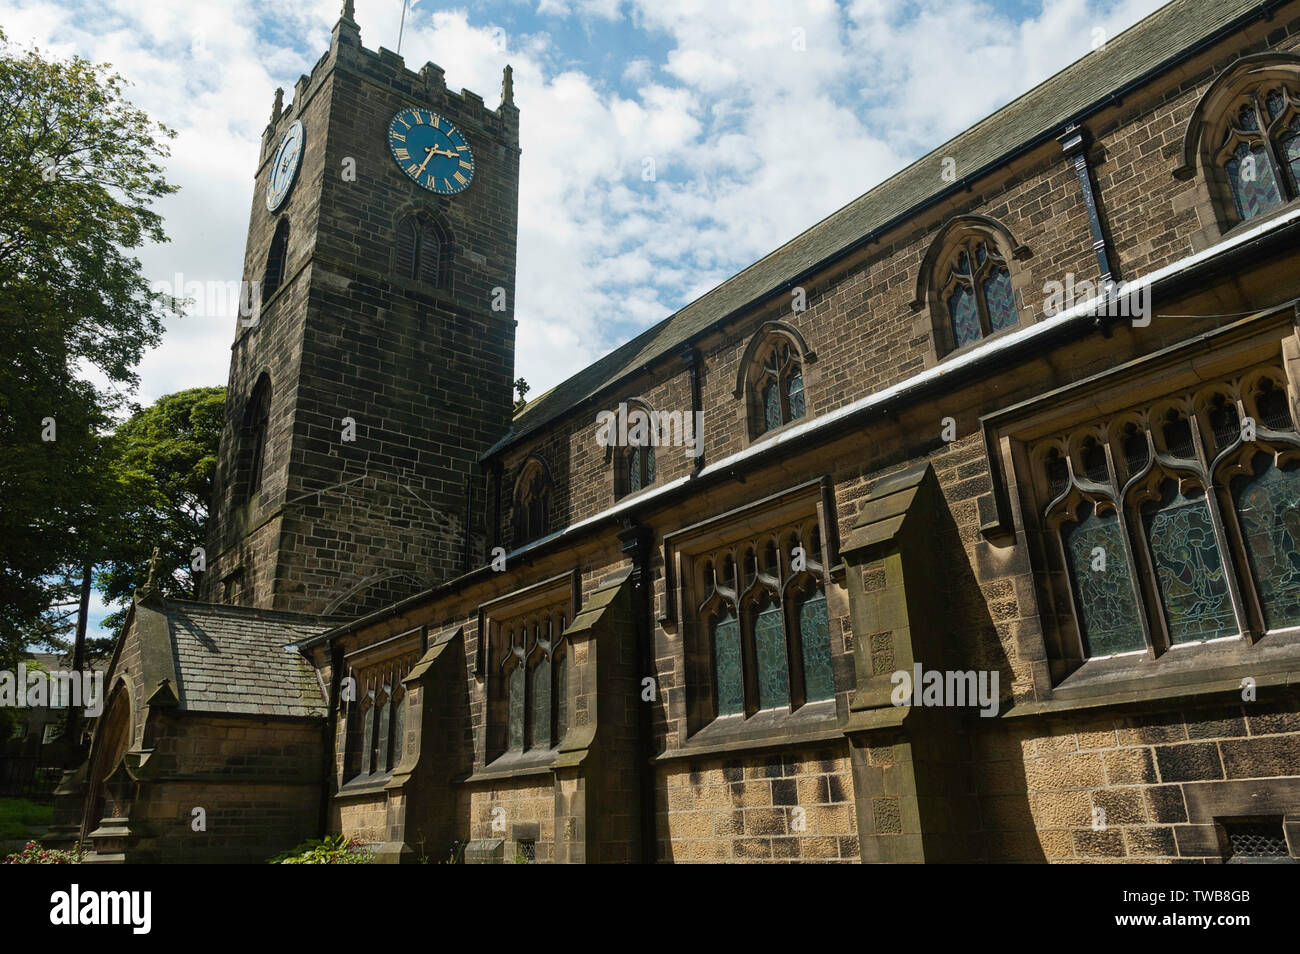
[284,166]
[431,151]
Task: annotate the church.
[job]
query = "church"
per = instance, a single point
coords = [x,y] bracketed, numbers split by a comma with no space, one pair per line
[962,527]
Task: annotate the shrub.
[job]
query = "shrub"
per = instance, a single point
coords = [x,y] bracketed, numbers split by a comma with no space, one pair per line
[330,850]
[34,854]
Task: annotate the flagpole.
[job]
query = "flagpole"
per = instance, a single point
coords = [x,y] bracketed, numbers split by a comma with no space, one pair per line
[401,29]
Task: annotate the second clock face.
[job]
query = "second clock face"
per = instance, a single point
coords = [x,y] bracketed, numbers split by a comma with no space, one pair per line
[431,151]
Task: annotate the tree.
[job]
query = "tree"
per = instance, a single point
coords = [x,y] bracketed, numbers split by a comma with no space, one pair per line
[79,172]
[165,458]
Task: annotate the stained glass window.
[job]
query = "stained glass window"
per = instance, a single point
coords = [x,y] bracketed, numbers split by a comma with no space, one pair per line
[1190,574]
[729,681]
[382,740]
[1106,605]
[815,637]
[634,469]
[399,730]
[368,741]
[1254,178]
[965,316]
[1001,300]
[778,384]
[539,717]
[770,651]
[1268,510]
[1250,177]
[795,391]
[772,406]
[972,314]
[1289,146]
[532,503]
[516,704]
[561,694]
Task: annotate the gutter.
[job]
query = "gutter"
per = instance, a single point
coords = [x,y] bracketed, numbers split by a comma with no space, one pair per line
[1264,11]
[1249,244]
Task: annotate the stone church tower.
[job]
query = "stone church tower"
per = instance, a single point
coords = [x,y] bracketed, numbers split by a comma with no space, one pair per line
[377,369]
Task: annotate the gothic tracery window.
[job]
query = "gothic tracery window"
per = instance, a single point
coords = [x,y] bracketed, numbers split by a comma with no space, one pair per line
[1260,150]
[763,614]
[975,289]
[776,387]
[532,503]
[375,719]
[1200,494]
[533,660]
[634,461]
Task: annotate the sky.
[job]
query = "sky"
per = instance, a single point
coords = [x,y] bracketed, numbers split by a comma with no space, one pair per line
[758,117]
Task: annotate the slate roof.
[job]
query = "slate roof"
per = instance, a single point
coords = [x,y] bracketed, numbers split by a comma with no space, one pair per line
[233,659]
[1046,109]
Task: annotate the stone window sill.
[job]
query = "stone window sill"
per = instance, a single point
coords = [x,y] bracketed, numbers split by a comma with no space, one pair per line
[814,722]
[1181,673]
[515,765]
[364,785]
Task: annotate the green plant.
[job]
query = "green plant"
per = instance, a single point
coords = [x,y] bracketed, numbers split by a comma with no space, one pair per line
[19,818]
[330,850]
[34,854]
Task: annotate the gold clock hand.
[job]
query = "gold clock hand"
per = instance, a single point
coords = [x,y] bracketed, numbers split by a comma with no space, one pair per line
[420,171]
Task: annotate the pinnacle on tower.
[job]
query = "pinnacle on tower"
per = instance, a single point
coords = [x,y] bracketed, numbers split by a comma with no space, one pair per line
[508,86]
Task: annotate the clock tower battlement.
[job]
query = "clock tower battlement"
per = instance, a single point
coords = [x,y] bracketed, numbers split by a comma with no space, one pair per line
[379,365]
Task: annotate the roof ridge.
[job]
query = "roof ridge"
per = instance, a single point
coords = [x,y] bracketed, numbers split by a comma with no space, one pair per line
[234,610]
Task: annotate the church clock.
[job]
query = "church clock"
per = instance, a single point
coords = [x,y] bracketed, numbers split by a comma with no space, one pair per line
[431,151]
[284,166]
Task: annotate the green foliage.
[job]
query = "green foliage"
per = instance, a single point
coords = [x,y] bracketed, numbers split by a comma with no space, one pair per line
[330,850]
[166,455]
[18,817]
[80,171]
[34,854]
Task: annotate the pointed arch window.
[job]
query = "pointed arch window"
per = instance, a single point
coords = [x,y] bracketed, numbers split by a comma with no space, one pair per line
[423,250]
[277,259]
[1199,493]
[533,663]
[532,503]
[764,617]
[634,458]
[976,291]
[374,722]
[1260,149]
[776,386]
[257,422]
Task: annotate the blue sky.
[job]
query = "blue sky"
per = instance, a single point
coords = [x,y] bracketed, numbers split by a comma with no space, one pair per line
[761,119]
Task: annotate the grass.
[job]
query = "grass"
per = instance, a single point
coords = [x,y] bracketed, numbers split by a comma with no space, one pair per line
[21,819]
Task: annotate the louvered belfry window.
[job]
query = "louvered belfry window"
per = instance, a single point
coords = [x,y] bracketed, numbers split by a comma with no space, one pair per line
[422,248]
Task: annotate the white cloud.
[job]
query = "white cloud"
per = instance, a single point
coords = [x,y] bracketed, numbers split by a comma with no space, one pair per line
[761,118]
